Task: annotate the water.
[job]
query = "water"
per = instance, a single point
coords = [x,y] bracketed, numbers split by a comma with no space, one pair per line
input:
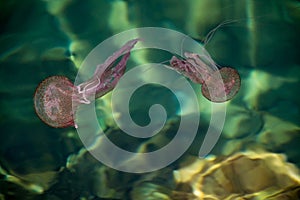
[51,37]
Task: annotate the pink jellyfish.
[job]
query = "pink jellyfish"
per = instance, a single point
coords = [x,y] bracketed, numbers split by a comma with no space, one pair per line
[54,96]
[218,85]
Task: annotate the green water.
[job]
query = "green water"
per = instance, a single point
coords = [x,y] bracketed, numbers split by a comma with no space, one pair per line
[51,37]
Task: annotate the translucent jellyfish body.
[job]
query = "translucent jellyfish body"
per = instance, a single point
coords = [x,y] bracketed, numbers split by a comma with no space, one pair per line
[218,85]
[54,96]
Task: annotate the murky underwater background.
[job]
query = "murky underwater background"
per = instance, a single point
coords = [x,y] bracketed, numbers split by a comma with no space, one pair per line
[257,156]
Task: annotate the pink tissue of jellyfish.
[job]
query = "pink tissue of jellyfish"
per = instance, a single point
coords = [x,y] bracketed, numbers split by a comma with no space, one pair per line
[54,96]
[218,85]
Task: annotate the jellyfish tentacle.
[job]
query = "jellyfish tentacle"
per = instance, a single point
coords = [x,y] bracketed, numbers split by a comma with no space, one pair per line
[212,32]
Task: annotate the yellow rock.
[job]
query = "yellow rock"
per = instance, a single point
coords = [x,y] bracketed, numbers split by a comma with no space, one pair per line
[246,175]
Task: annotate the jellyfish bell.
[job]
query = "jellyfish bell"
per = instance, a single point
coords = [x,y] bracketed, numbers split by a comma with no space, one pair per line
[53,101]
[222,85]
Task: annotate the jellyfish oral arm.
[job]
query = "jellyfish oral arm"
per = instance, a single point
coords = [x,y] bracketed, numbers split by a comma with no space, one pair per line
[110,60]
[185,68]
[83,91]
[106,75]
[203,65]
[195,67]
[111,77]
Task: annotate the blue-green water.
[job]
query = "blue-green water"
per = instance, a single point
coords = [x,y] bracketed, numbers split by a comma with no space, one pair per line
[51,37]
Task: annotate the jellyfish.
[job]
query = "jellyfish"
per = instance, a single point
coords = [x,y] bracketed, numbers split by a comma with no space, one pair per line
[218,85]
[56,96]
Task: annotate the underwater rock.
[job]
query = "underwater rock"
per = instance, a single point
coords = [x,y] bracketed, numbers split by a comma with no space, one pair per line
[232,146]
[150,191]
[84,177]
[246,175]
[289,193]
[280,136]
[241,122]
[155,185]
[28,185]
